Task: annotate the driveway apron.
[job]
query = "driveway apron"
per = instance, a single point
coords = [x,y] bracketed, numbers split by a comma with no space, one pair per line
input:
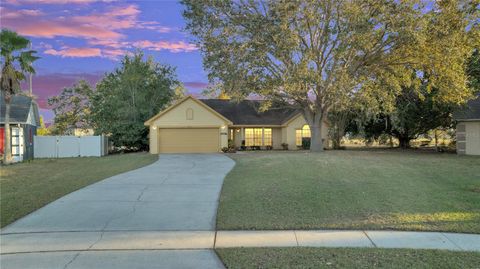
[179,192]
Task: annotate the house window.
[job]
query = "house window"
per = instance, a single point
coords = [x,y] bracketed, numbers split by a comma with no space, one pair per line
[231,134]
[258,137]
[253,137]
[189,114]
[302,133]
[17,143]
[267,136]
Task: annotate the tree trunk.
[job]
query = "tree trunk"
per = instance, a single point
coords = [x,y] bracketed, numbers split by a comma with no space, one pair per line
[404,141]
[314,120]
[7,151]
[316,143]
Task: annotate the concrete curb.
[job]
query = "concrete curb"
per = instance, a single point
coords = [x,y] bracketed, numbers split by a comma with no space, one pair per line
[189,240]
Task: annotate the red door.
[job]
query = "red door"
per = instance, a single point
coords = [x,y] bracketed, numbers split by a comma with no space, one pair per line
[2,135]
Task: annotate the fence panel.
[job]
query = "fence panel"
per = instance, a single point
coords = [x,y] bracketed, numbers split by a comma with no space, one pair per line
[70,146]
[45,146]
[90,146]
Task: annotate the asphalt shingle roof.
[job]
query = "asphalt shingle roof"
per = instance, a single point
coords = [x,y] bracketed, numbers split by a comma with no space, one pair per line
[470,112]
[247,112]
[19,109]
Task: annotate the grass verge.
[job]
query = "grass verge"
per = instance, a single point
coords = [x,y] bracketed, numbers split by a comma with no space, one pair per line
[352,190]
[298,257]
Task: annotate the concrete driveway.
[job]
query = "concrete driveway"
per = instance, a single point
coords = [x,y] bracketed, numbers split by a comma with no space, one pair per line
[144,213]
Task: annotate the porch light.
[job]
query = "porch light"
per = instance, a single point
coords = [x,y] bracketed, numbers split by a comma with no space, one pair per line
[154,127]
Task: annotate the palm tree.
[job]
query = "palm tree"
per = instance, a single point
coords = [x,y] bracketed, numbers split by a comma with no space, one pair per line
[13,49]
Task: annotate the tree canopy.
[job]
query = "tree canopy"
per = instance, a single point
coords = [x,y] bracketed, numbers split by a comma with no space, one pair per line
[125,98]
[72,108]
[313,55]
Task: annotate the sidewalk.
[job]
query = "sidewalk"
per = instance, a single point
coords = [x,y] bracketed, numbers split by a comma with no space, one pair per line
[197,240]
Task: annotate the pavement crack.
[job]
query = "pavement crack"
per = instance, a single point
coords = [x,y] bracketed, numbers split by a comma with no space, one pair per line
[451,241]
[296,239]
[141,193]
[371,241]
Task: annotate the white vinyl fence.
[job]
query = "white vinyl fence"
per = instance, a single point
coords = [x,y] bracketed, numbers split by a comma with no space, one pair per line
[69,146]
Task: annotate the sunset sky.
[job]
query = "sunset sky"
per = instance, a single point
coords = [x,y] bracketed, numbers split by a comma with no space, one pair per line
[85,38]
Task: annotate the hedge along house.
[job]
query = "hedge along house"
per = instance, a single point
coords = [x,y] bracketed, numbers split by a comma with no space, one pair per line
[207,125]
[468,128]
[24,120]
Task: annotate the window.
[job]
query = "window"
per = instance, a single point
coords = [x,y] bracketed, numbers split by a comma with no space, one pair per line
[267,136]
[258,137]
[189,114]
[253,137]
[302,133]
[298,137]
[231,134]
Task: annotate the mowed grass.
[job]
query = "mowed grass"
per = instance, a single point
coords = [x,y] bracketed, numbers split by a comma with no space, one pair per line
[400,190]
[25,187]
[346,258]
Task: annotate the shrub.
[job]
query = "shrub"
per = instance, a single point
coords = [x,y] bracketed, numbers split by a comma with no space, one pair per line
[284,146]
[306,143]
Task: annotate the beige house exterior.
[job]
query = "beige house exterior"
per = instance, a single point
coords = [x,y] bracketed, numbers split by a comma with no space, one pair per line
[200,126]
[468,129]
[468,137]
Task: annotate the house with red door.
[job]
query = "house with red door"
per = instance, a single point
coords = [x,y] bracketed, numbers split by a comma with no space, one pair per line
[24,121]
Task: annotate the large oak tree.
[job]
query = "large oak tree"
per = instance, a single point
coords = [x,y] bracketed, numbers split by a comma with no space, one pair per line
[315,54]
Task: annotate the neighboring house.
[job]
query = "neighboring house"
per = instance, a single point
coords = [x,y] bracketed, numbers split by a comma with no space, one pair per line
[24,120]
[80,132]
[468,128]
[207,125]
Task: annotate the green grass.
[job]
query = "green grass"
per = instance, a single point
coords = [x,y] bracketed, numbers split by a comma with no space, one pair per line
[25,187]
[346,258]
[401,190]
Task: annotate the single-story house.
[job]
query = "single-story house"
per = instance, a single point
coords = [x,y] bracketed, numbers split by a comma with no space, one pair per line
[24,121]
[207,125]
[468,128]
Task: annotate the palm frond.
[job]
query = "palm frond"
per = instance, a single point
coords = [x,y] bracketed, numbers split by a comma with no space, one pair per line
[11,41]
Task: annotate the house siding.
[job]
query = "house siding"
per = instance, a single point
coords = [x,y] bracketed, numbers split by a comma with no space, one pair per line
[468,138]
[181,116]
[288,132]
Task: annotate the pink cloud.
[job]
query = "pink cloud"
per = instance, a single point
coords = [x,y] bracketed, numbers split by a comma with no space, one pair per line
[179,46]
[102,30]
[195,84]
[17,2]
[7,13]
[75,52]
[86,52]
[115,19]
[52,28]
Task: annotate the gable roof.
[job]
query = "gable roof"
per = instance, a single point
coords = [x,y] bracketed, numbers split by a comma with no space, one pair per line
[470,112]
[247,112]
[149,121]
[20,106]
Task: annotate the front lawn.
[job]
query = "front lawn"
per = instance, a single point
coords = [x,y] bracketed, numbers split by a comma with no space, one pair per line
[346,258]
[25,187]
[401,190]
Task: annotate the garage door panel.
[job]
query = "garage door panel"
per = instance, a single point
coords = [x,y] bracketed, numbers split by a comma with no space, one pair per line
[188,140]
